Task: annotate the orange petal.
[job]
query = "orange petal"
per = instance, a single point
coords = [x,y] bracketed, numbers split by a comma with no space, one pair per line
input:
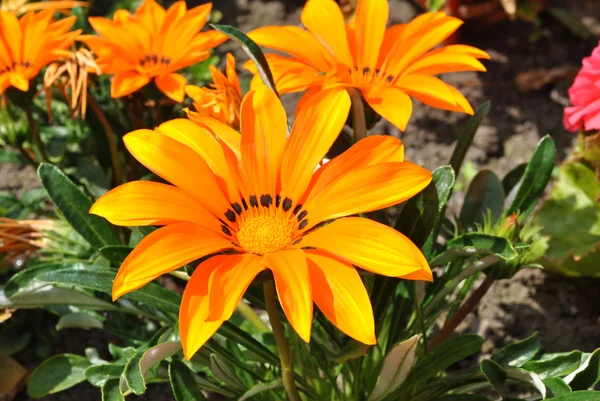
[141,203]
[424,274]
[392,104]
[391,37]
[290,74]
[18,81]
[163,251]
[224,132]
[373,246]
[172,85]
[292,281]
[341,295]
[371,20]
[203,142]
[179,165]
[462,104]
[194,330]
[304,98]
[317,125]
[232,279]
[365,189]
[125,83]
[151,15]
[429,90]
[324,19]
[13,35]
[264,127]
[441,63]
[296,42]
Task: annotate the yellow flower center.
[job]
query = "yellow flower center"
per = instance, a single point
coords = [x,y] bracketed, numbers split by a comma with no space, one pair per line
[264,233]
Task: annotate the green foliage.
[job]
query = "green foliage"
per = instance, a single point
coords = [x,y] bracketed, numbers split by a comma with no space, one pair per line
[57,373]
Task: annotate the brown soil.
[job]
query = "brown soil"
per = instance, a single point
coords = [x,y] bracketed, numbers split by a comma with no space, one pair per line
[561,309]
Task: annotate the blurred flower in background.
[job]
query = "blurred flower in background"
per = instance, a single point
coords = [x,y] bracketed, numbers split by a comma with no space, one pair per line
[19,7]
[152,44]
[222,100]
[20,239]
[584,114]
[386,65]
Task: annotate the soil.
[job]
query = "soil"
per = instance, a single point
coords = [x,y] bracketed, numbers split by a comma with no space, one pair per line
[561,309]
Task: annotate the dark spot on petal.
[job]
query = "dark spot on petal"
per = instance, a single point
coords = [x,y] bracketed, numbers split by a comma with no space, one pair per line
[226,230]
[302,215]
[366,70]
[297,209]
[266,200]
[244,204]
[297,241]
[390,79]
[287,204]
[253,201]
[303,224]
[277,200]
[237,207]
[230,215]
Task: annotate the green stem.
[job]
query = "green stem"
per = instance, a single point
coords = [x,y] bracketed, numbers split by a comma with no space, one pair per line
[35,132]
[358,115]
[247,311]
[283,347]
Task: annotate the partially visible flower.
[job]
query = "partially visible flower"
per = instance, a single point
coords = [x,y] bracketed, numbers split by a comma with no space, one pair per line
[29,44]
[152,44]
[584,114]
[72,73]
[257,197]
[19,7]
[386,65]
[19,239]
[222,100]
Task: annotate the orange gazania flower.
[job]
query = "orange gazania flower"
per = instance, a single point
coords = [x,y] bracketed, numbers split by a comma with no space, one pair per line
[223,100]
[19,7]
[152,44]
[386,65]
[258,197]
[30,43]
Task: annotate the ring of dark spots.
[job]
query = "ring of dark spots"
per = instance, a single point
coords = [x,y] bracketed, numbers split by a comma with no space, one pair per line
[266,200]
[303,224]
[230,215]
[226,230]
[297,209]
[244,204]
[237,207]
[287,204]
[253,201]
[277,200]
[302,215]
[297,241]
[366,70]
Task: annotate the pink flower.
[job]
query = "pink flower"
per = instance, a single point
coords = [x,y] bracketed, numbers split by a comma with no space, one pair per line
[584,114]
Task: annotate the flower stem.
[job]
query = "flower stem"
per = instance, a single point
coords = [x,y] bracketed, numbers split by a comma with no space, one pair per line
[110,138]
[358,115]
[35,132]
[255,320]
[283,347]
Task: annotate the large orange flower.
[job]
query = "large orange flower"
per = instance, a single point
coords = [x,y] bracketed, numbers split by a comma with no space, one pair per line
[30,43]
[222,100]
[258,197]
[152,44]
[386,65]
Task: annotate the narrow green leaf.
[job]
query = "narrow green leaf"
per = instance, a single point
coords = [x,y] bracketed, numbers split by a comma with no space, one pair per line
[556,386]
[252,50]
[111,391]
[536,177]
[43,296]
[588,374]
[115,253]
[559,365]
[261,388]
[517,353]
[463,397]
[183,383]
[579,396]
[223,372]
[477,243]
[75,206]
[529,378]
[435,5]
[420,214]
[98,375]
[232,332]
[57,373]
[494,373]
[485,195]
[512,178]
[78,321]
[466,137]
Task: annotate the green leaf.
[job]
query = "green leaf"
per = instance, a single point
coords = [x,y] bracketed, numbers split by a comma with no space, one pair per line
[115,253]
[252,50]
[484,244]
[260,388]
[463,397]
[142,361]
[242,338]
[559,365]
[485,195]
[466,137]
[10,156]
[98,375]
[512,178]
[223,372]
[588,373]
[528,378]
[420,214]
[556,386]
[183,383]
[435,5]
[446,354]
[579,396]
[151,294]
[517,353]
[536,177]
[57,373]
[43,296]
[111,391]
[495,374]
[78,321]
[75,206]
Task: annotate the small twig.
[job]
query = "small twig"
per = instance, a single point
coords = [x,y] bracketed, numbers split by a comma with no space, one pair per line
[35,132]
[110,138]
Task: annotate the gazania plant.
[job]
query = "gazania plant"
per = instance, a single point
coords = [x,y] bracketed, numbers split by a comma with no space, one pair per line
[232,250]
